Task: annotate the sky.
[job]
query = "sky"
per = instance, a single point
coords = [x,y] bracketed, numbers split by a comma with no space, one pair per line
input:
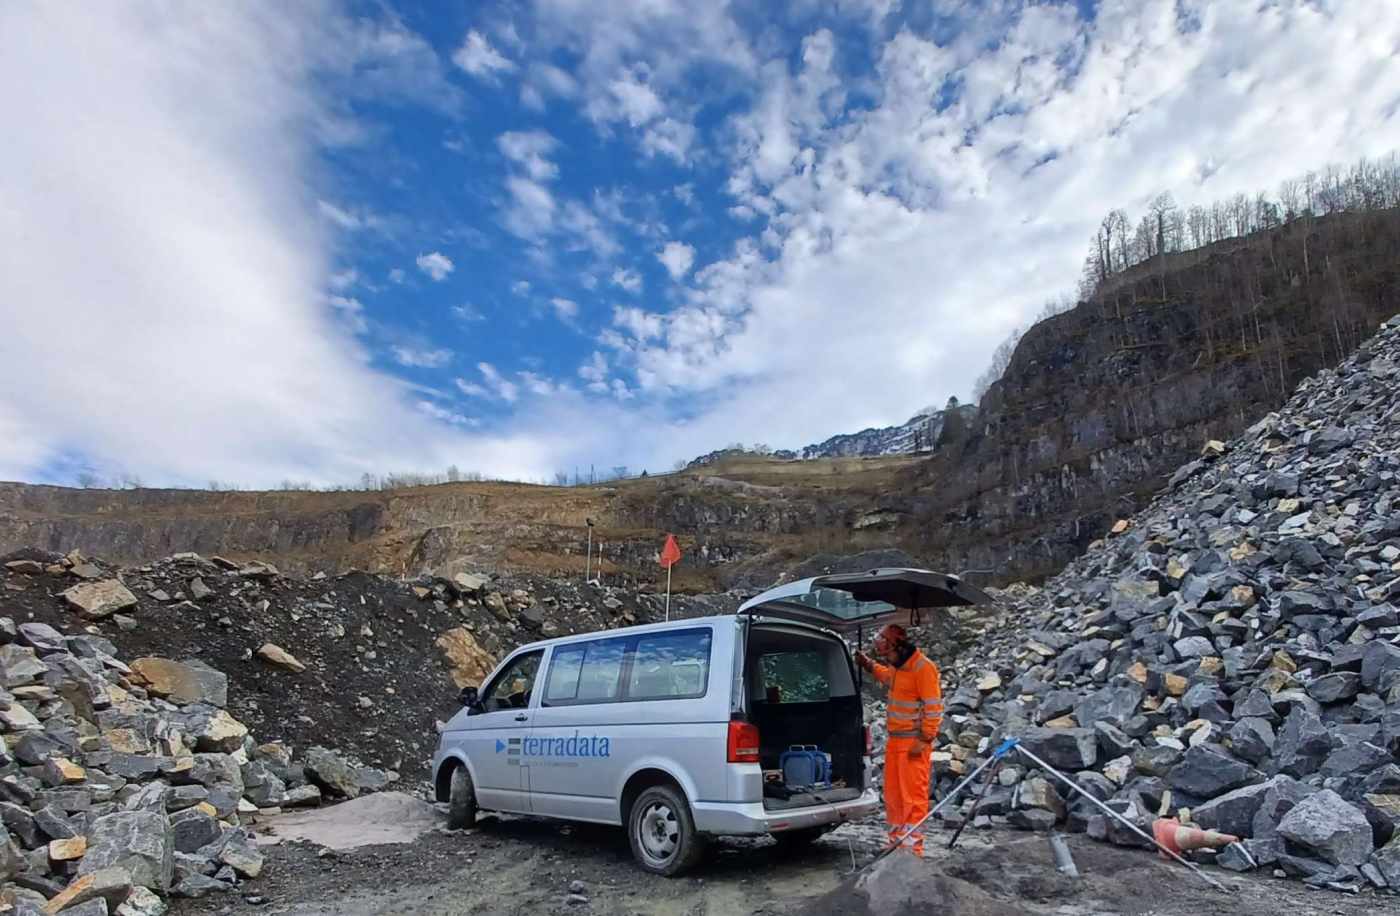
[254,242]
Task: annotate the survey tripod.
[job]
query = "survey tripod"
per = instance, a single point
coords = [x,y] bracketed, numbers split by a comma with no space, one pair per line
[994,762]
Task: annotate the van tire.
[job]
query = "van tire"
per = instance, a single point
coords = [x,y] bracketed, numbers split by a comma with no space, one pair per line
[662,832]
[461,800]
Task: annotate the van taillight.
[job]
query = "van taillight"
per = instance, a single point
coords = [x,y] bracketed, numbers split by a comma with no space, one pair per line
[869,742]
[743,742]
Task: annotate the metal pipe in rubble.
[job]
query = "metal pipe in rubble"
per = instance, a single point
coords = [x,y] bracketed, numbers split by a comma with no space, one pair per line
[1064,862]
[1120,818]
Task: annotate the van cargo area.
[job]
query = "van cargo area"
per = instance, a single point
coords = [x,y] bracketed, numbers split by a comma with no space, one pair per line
[801,692]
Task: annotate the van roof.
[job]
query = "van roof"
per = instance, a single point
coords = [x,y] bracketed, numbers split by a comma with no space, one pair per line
[652,628]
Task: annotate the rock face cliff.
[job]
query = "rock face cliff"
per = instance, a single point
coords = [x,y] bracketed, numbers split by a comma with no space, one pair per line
[1102,403]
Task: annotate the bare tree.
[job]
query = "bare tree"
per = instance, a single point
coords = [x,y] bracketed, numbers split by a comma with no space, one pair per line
[87,479]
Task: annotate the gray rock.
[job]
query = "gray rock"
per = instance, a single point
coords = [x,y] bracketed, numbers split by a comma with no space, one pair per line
[302,796]
[331,772]
[196,886]
[43,638]
[54,824]
[96,600]
[1234,812]
[194,829]
[1354,758]
[139,841]
[1379,658]
[12,860]
[1334,688]
[19,666]
[1331,827]
[1252,739]
[1113,742]
[1114,704]
[1235,857]
[34,748]
[94,907]
[1194,647]
[20,823]
[1205,772]
[1063,748]
[1387,862]
[1294,604]
[1155,759]
[1302,744]
[1036,819]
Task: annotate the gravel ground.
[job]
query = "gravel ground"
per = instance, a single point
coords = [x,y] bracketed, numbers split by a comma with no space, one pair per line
[527,866]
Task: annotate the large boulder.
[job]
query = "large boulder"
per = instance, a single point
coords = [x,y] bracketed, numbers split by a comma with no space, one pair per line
[1063,748]
[1329,826]
[331,772]
[138,841]
[95,600]
[470,662]
[1234,811]
[19,667]
[1205,772]
[182,682]
[1302,744]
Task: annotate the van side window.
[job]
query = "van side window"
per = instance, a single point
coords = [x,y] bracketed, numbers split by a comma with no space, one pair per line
[794,677]
[586,672]
[671,665]
[511,688]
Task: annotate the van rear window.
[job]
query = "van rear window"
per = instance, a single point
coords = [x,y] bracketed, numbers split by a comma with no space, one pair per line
[795,677]
[670,666]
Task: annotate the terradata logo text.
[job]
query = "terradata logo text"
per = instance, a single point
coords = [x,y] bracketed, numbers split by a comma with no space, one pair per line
[575,746]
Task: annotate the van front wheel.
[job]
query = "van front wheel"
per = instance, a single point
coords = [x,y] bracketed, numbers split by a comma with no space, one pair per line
[662,832]
[461,800]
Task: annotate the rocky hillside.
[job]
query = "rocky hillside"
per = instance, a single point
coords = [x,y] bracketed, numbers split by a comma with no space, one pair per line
[920,433]
[1102,403]
[361,662]
[1229,656]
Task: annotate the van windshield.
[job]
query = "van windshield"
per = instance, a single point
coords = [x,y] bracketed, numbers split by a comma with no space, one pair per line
[839,603]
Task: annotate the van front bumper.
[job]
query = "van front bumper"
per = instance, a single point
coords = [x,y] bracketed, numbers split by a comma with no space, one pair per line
[751,818]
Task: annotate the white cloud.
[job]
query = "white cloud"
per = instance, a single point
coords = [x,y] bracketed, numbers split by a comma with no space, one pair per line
[988,169]
[477,57]
[442,414]
[545,81]
[532,207]
[471,389]
[497,383]
[530,150]
[540,386]
[588,281]
[352,312]
[595,372]
[348,219]
[677,257]
[171,157]
[467,312]
[397,275]
[520,287]
[436,265]
[566,309]
[642,325]
[629,280]
[344,279]
[420,357]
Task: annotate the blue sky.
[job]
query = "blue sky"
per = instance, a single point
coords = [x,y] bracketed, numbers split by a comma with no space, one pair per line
[259,242]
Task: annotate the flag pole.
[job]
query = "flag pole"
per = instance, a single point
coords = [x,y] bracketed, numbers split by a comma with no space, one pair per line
[668,592]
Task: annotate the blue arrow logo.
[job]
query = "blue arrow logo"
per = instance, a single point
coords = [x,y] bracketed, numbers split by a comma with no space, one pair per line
[500,745]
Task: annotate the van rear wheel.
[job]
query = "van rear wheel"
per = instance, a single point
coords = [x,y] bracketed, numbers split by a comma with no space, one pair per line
[662,832]
[461,800]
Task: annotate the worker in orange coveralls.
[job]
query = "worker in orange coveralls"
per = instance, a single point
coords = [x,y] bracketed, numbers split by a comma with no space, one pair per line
[914,716]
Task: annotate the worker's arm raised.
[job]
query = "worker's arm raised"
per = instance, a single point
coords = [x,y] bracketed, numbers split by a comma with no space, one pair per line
[882,673]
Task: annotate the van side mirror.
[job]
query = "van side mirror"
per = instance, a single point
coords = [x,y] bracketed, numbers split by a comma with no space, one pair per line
[469,697]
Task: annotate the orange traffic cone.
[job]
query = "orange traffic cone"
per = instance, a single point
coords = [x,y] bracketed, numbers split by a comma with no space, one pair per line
[1169,832]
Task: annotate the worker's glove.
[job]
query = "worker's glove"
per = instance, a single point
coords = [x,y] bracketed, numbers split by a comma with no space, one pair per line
[863,660]
[917,749]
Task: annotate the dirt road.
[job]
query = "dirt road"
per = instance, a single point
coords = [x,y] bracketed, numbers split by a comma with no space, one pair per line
[511,866]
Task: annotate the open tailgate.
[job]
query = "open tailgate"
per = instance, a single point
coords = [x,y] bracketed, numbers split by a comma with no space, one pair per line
[846,602]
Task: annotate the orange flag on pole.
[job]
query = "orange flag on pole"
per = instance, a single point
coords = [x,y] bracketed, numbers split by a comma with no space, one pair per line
[671,553]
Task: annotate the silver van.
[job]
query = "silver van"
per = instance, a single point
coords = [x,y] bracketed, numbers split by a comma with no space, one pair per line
[676,730]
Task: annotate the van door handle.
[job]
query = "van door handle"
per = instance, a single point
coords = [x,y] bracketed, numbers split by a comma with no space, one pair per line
[521,718]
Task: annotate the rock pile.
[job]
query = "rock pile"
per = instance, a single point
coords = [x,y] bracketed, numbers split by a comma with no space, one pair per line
[1231,656]
[360,662]
[120,784]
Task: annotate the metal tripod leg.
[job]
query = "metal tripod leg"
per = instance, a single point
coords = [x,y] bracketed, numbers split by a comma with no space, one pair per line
[991,776]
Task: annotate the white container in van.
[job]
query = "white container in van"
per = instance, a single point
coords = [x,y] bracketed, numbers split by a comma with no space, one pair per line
[667,729]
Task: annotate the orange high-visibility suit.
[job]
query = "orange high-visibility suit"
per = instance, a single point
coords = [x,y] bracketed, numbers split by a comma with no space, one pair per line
[915,715]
